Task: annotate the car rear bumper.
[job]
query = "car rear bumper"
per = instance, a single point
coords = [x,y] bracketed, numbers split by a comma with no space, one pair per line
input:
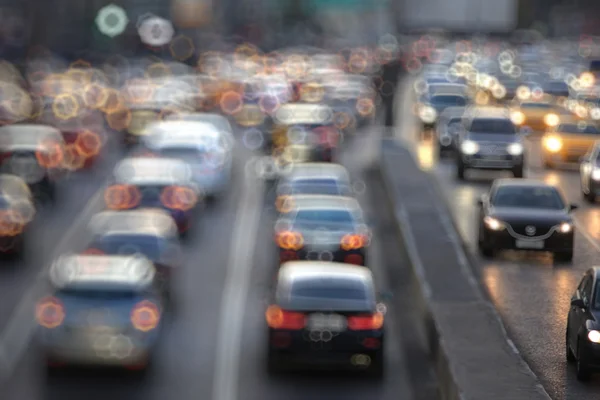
[500,163]
[557,242]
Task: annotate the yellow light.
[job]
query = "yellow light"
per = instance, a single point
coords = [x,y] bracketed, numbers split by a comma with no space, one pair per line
[493,223]
[594,336]
[517,117]
[565,227]
[551,120]
[552,144]
[587,79]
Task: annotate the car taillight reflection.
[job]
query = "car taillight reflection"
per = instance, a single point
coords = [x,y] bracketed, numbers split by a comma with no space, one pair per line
[145,316]
[366,322]
[281,319]
[50,313]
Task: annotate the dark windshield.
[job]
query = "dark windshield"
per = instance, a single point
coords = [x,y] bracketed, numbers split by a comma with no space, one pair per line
[150,246]
[560,88]
[497,125]
[574,128]
[336,219]
[332,294]
[185,153]
[317,186]
[103,292]
[449,100]
[543,197]
[595,66]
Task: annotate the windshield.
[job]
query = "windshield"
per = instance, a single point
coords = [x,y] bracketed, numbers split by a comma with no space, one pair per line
[319,187]
[449,100]
[149,246]
[331,294]
[503,126]
[574,128]
[544,197]
[98,293]
[334,219]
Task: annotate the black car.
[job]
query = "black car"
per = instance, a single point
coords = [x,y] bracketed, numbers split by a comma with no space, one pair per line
[490,141]
[325,315]
[583,326]
[527,215]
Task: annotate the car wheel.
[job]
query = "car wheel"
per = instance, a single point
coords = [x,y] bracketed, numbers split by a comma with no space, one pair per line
[564,256]
[583,371]
[518,172]
[570,356]
[460,171]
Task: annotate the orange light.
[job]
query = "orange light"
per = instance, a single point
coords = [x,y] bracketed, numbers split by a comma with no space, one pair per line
[51,154]
[284,204]
[145,316]
[231,102]
[50,313]
[12,223]
[365,107]
[288,240]
[353,242]
[178,198]
[88,143]
[122,197]
[366,323]
[280,319]
[119,119]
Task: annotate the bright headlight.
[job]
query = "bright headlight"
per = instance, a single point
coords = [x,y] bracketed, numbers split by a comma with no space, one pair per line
[553,144]
[565,227]
[517,117]
[469,147]
[515,149]
[596,174]
[493,223]
[594,336]
[427,114]
[551,119]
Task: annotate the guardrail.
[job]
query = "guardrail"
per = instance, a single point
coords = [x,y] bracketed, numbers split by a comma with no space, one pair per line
[474,359]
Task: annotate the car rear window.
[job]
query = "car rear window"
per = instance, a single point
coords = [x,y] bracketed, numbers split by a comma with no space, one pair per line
[317,186]
[493,125]
[449,100]
[313,217]
[149,246]
[546,198]
[333,294]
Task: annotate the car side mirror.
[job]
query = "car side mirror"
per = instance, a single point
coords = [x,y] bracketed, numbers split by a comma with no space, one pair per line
[577,303]
[573,207]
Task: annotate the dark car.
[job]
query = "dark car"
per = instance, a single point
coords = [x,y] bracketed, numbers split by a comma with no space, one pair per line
[103,310]
[589,172]
[149,232]
[490,141]
[583,326]
[155,182]
[326,315]
[437,103]
[325,228]
[529,215]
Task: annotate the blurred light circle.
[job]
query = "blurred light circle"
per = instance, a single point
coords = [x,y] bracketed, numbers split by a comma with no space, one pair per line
[156,31]
[112,20]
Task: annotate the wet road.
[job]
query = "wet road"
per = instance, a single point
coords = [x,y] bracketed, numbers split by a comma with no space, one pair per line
[531,293]
[213,346]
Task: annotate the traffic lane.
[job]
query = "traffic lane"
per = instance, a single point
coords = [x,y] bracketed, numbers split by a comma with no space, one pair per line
[52,220]
[531,293]
[184,363]
[406,377]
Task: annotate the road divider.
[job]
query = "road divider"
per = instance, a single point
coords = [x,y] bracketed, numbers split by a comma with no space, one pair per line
[473,356]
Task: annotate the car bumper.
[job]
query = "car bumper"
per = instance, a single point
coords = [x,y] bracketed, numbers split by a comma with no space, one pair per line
[569,156]
[503,240]
[504,162]
[590,354]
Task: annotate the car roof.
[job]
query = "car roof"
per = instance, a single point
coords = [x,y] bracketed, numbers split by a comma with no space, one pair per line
[181,133]
[71,271]
[152,170]
[214,119]
[37,129]
[289,114]
[322,202]
[145,221]
[318,171]
[317,270]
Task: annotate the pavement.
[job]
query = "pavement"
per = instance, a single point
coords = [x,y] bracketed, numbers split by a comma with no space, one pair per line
[214,343]
[530,292]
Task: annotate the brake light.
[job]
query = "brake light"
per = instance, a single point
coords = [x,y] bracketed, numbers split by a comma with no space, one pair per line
[50,155]
[5,156]
[288,240]
[145,316]
[178,198]
[12,223]
[353,242]
[122,197]
[366,322]
[281,319]
[354,259]
[231,102]
[50,312]
[88,143]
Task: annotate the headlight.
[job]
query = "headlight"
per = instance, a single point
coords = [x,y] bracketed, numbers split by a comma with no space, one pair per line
[594,336]
[517,118]
[469,147]
[552,144]
[494,224]
[551,119]
[565,227]
[596,174]
[427,114]
[515,149]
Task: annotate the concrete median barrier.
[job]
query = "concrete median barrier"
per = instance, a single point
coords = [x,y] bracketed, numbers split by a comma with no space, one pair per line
[474,358]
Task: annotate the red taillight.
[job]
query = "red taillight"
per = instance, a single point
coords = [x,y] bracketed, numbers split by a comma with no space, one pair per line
[5,156]
[354,259]
[178,198]
[145,316]
[371,343]
[281,319]
[288,255]
[50,312]
[289,240]
[366,322]
[353,242]
[122,197]
[50,155]
[327,136]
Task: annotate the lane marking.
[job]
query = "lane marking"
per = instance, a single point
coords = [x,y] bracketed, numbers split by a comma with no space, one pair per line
[235,291]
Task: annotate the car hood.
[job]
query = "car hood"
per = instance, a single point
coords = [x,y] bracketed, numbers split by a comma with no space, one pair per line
[528,215]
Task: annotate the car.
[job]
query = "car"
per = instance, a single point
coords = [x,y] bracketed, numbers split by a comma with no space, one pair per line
[321,227]
[448,129]
[525,214]
[208,151]
[167,183]
[218,121]
[150,232]
[17,211]
[589,173]
[434,104]
[568,142]
[537,116]
[582,336]
[35,153]
[101,311]
[325,315]
[489,140]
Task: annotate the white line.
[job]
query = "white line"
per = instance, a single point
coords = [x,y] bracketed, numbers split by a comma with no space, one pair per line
[235,292]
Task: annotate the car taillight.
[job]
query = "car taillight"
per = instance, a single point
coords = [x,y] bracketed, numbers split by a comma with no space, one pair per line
[365,106]
[178,198]
[50,312]
[88,143]
[284,204]
[12,223]
[353,242]
[281,319]
[366,322]
[354,259]
[288,240]
[145,316]
[122,197]
[50,155]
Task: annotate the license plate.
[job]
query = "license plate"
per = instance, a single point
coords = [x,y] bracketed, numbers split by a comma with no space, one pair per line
[330,322]
[530,244]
